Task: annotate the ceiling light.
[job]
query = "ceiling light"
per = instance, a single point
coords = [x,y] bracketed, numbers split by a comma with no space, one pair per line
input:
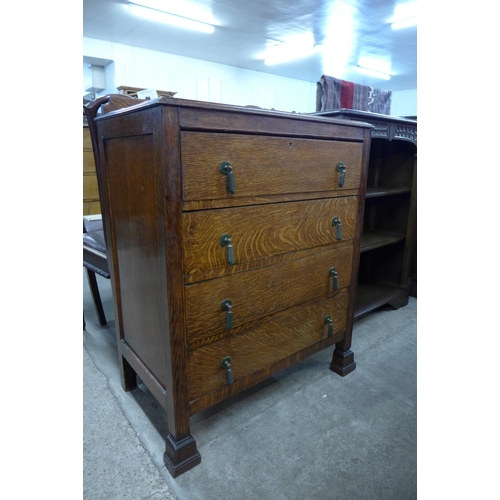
[169,18]
[372,72]
[404,23]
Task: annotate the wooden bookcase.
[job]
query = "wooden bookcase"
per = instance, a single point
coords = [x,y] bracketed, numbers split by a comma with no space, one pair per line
[387,272]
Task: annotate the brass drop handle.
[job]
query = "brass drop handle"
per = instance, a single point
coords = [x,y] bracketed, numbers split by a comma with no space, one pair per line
[225,241]
[226,365]
[228,307]
[329,322]
[341,168]
[336,222]
[335,274]
[227,169]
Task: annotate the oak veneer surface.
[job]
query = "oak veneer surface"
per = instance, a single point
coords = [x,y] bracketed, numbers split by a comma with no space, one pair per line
[290,272]
[263,231]
[282,335]
[134,224]
[252,157]
[262,292]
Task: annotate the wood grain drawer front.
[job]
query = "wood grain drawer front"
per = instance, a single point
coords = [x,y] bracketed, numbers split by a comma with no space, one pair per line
[265,165]
[265,344]
[262,231]
[258,293]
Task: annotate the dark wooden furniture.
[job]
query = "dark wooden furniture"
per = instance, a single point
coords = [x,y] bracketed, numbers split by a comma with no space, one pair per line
[95,261]
[387,271]
[95,258]
[233,240]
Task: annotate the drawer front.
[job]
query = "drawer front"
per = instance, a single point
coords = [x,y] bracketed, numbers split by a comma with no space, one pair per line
[258,232]
[262,346]
[258,293]
[265,165]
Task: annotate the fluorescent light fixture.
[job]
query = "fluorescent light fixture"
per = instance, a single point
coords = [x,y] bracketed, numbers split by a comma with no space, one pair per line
[168,18]
[338,45]
[372,72]
[404,23]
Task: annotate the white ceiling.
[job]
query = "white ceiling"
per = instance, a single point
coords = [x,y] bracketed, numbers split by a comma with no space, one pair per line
[346,30]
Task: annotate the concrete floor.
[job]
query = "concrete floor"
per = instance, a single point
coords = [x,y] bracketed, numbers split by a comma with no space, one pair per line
[304,434]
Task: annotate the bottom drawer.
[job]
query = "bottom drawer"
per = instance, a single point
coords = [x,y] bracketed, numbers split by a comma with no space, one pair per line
[264,344]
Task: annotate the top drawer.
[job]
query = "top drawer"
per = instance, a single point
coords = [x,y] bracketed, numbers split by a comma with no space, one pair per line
[265,165]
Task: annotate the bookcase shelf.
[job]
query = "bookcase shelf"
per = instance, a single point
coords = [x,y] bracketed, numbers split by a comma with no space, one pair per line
[387,271]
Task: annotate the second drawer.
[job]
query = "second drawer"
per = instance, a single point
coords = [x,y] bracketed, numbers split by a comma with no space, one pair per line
[261,231]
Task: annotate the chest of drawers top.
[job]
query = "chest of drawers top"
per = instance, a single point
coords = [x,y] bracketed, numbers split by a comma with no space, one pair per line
[274,155]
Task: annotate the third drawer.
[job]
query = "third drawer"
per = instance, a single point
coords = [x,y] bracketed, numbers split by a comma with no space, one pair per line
[254,295]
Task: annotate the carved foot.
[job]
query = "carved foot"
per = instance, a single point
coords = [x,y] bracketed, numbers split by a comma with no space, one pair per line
[180,456]
[342,362]
[398,302]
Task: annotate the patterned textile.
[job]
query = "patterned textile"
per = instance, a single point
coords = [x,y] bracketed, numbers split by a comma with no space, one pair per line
[333,93]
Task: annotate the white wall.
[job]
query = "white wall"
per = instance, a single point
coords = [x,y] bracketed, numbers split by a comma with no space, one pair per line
[404,103]
[196,79]
[207,81]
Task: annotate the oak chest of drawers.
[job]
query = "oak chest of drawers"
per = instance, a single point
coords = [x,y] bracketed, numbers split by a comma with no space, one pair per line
[233,237]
